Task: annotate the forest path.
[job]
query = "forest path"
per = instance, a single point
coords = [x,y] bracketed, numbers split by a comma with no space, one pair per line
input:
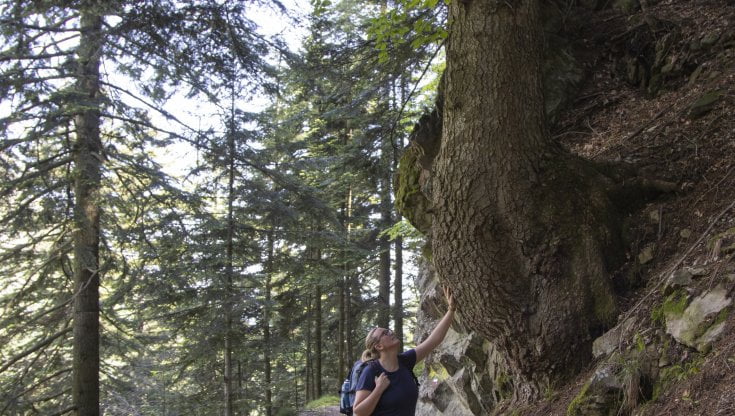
[322,411]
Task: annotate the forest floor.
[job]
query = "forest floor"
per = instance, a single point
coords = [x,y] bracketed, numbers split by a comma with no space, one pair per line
[666,136]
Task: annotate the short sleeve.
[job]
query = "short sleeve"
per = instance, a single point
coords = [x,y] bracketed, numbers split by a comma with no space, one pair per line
[408,358]
[367,379]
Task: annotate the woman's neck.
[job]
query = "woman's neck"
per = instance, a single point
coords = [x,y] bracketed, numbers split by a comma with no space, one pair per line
[389,362]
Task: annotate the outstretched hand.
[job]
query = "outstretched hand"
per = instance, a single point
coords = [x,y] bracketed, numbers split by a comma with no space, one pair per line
[450,298]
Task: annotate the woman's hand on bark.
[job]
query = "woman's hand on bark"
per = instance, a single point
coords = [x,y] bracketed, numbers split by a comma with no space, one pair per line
[450,299]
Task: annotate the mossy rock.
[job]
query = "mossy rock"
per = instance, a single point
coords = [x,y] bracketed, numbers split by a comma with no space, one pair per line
[698,323]
[704,104]
[627,6]
[726,241]
[410,201]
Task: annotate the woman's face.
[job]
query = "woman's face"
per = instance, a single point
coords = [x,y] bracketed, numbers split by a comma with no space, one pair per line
[386,337]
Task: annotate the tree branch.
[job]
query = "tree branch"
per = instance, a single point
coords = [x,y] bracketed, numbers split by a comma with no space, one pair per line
[11,185]
[31,388]
[37,346]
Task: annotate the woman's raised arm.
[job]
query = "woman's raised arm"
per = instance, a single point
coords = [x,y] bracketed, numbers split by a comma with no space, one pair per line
[439,332]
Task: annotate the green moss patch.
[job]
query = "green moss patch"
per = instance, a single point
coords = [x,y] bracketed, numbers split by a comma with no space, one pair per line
[324,401]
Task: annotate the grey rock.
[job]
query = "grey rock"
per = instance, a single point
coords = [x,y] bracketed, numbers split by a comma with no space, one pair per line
[679,278]
[697,325]
[609,341]
[710,39]
[459,374]
[646,255]
[696,271]
[704,104]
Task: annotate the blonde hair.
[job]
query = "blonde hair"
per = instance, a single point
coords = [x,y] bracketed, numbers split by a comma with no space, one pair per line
[371,353]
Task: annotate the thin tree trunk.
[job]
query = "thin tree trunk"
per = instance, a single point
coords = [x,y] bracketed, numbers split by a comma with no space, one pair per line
[229,290]
[341,287]
[318,340]
[349,289]
[384,244]
[309,387]
[398,277]
[267,328]
[386,210]
[398,289]
[522,229]
[88,160]
[344,306]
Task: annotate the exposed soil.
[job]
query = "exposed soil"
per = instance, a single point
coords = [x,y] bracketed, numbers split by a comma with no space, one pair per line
[658,132]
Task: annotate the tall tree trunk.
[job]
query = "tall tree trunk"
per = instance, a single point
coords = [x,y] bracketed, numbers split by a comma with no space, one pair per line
[229,290]
[318,340]
[309,388]
[88,160]
[521,228]
[341,350]
[398,277]
[346,311]
[398,289]
[384,276]
[267,326]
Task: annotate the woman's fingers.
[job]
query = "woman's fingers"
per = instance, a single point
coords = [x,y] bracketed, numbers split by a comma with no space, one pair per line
[382,380]
[449,297]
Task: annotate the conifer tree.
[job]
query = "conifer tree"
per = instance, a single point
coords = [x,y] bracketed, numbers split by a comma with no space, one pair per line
[75,144]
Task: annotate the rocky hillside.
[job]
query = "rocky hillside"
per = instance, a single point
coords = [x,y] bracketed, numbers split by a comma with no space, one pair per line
[652,85]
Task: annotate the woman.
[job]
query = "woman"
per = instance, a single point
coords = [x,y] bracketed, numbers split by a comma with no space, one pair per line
[387,386]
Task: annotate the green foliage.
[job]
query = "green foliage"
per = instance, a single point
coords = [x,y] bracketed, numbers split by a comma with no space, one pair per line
[186,263]
[674,304]
[640,344]
[575,406]
[324,401]
[402,229]
[415,22]
[676,373]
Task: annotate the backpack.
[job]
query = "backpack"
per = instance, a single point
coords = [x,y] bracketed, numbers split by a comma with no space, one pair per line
[347,393]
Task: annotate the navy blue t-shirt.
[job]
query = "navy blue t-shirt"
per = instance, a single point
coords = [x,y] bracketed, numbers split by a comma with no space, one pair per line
[400,398]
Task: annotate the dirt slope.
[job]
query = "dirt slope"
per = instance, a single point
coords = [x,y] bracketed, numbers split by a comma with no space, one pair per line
[661,96]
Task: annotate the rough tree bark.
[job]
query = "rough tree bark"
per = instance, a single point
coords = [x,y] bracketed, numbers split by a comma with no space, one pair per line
[524,232]
[87,171]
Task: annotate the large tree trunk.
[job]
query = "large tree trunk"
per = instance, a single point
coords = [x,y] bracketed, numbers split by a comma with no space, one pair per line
[88,157]
[521,229]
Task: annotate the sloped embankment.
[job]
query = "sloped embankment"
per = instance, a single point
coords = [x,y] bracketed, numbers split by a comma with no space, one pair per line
[659,94]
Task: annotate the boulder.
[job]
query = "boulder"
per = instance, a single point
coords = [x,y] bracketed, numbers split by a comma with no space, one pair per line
[465,374]
[610,340]
[702,321]
[704,104]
